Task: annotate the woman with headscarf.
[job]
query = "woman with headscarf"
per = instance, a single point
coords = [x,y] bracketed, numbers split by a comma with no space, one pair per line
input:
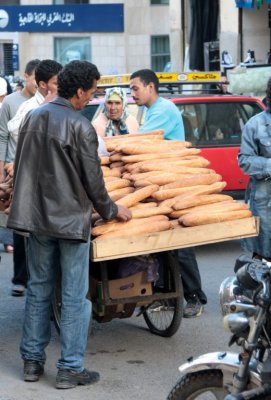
[115,119]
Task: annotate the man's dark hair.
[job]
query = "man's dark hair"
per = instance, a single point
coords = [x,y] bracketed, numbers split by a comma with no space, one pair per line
[146,76]
[46,69]
[31,66]
[268,95]
[76,75]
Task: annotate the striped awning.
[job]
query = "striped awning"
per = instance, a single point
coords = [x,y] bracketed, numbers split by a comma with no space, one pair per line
[250,3]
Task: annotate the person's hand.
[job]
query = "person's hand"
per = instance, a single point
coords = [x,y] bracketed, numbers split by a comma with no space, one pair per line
[124,214]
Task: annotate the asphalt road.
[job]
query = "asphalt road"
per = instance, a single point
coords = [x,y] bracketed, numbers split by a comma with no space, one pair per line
[133,363]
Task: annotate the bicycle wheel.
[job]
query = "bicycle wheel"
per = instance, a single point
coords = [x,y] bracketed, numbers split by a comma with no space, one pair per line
[164,316]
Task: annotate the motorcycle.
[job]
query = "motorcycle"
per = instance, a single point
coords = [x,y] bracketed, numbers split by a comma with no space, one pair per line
[245,301]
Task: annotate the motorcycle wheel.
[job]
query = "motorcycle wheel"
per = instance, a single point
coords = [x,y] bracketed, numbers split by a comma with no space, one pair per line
[163,317]
[202,385]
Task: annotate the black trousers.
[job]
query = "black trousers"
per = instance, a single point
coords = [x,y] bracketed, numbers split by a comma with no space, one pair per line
[190,274]
[20,275]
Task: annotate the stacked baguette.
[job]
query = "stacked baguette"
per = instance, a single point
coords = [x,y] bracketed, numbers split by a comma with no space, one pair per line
[166,185]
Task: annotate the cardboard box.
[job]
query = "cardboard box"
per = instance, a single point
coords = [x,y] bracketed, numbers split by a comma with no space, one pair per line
[131,286]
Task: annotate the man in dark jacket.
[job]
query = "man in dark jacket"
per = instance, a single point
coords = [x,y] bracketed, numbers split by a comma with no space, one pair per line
[58,180]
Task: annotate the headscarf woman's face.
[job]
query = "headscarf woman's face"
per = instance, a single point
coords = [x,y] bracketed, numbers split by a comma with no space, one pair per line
[115,103]
[114,109]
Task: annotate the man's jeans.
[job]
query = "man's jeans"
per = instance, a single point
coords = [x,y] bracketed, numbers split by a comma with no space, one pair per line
[44,255]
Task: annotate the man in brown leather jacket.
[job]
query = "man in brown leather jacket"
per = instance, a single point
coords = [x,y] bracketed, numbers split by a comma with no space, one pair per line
[58,180]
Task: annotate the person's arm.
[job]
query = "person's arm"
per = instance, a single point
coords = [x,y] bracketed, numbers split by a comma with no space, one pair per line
[4,136]
[15,122]
[254,157]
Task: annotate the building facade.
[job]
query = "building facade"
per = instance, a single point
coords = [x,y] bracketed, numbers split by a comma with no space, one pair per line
[155,34]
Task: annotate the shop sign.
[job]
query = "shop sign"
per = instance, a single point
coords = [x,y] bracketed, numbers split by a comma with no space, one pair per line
[63,18]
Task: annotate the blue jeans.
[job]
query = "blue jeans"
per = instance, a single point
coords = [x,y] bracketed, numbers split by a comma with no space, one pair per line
[44,256]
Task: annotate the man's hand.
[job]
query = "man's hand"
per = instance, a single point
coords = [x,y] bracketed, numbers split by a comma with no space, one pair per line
[124,214]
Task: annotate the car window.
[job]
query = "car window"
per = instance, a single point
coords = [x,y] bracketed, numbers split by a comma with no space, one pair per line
[89,111]
[213,124]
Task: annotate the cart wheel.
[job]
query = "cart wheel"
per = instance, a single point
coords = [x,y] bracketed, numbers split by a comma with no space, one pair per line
[56,305]
[164,316]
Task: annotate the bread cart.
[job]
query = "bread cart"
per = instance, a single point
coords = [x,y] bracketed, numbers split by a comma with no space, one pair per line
[161,302]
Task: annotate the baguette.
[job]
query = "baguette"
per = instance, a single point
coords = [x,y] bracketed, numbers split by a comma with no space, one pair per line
[150,211]
[153,156]
[116,164]
[138,134]
[193,191]
[119,193]
[198,200]
[176,169]
[228,205]
[104,160]
[111,172]
[102,227]
[144,205]
[160,180]
[117,184]
[192,180]
[194,219]
[157,226]
[139,195]
[164,147]
[161,195]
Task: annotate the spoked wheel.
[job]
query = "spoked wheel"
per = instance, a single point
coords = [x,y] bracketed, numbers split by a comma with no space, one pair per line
[164,316]
[202,385]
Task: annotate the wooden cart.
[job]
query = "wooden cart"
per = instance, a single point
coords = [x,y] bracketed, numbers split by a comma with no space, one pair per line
[160,303]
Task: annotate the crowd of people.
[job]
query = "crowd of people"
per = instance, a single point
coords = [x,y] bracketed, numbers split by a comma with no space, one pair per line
[58,180]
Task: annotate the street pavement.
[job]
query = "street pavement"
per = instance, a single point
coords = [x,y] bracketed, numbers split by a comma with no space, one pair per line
[134,364]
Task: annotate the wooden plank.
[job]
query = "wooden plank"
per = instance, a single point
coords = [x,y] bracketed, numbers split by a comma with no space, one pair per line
[174,239]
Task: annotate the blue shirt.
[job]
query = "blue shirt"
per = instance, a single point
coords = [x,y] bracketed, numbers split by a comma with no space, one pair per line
[163,114]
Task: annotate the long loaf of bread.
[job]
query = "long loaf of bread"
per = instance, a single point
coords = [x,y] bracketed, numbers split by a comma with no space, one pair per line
[161,195]
[157,226]
[119,193]
[159,148]
[117,184]
[194,219]
[197,200]
[192,180]
[222,206]
[139,195]
[193,191]
[114,225]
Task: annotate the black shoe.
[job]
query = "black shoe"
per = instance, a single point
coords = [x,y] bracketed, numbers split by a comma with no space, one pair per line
[193,308]
[32,370]
[68,379]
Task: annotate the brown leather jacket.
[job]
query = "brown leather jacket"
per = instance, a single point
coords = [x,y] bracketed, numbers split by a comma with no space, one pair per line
[58,178]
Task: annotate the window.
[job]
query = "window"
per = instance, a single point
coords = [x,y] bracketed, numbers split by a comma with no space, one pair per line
[6,66]
[159,2]
[160,53]
[71,48]
[215,124]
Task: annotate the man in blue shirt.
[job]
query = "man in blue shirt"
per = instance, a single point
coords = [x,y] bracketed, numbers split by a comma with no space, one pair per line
[163,114]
